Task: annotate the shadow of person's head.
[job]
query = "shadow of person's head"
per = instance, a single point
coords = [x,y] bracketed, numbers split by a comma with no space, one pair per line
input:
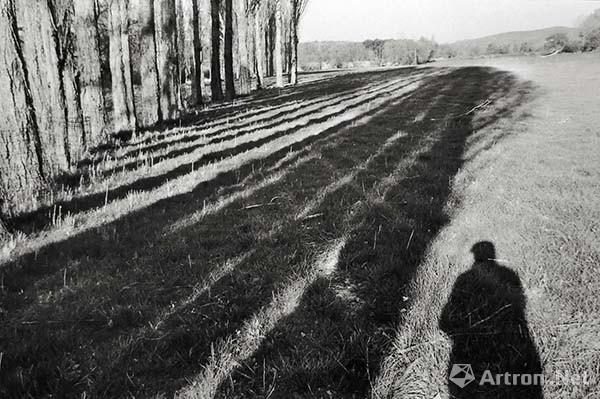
[484,251]
[485,319]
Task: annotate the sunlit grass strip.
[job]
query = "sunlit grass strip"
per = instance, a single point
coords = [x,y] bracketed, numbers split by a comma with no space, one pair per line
[141,152]
[347,179]
[228,353]
[221,203]
[148,168]
[128,177]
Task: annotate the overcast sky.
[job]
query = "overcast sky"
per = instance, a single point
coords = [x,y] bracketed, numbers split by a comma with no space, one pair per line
[445,20]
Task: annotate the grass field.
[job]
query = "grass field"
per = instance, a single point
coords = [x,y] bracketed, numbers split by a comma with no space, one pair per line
[303,242]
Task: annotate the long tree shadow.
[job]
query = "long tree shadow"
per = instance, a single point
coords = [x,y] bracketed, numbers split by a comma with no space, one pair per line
[22,273]
[298,109]
[249,116]
[255,104]
[284,251]
[96,293]
[76,297]
[333,344]
[212,138]
[42,217]
[485,319]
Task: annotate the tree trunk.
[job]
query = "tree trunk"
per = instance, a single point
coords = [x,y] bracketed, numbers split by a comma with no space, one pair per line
[295,20]
[269,33]
[278,56]
[178,38]
[229,76]
[215,75]
[168,60]
[244,64]
[39,51]
[124,119]
[61,14]
[250,46]
[151,112]
[197,78]
[287,45]
[22,174]
[259,48]
[88,55]
[294,67]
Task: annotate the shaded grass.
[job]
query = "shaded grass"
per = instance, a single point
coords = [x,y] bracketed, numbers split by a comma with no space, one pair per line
[151,303]
[333,344]
[99,284]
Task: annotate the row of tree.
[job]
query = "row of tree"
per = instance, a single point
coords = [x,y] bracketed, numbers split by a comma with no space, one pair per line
[73,72]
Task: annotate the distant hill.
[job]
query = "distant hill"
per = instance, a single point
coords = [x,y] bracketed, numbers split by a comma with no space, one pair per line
[533,38]
[343,54]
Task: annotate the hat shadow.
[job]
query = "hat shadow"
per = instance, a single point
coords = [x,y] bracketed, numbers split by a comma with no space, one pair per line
[485,319]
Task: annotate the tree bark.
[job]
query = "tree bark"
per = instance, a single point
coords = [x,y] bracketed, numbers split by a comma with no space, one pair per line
[278,56]
[269,34]
[61,14]
[179,38]
[39,52]
[197,78]
[259,48]
[295,21]
[244,64]
[215,75]
[88,55]
[168,60]
[22,174]
[229,76]
[151,112]
[124,119]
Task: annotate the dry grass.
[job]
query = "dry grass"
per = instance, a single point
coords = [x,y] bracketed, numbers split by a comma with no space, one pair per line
[535,194]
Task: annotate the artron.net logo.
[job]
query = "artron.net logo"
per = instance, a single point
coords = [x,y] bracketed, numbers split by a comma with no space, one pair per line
[462,375]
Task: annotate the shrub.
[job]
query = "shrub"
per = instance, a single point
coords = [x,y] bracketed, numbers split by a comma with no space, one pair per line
[591,40]
[557,41]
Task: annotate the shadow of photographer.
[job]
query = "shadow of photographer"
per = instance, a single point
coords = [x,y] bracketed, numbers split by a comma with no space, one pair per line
[493,353]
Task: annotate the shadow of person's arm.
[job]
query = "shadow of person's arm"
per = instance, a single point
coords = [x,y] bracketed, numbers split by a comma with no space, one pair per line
[511,280]
[451,317]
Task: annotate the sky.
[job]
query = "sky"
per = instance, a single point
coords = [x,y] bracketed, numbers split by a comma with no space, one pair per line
[444,20]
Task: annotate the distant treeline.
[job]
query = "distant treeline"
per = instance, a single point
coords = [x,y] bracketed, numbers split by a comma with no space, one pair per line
[333,55]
